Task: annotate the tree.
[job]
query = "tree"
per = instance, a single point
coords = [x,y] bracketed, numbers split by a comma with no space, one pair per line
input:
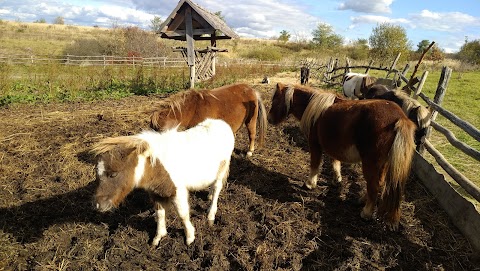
[219,15]
[155,24]
[470,52]
[59,20]
[359,49]
[387,40]
[422,46]
[284,36]
[41,21]
[325,37]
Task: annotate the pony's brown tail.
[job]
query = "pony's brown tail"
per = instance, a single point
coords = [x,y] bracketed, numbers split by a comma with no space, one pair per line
[398,169]
[261,121]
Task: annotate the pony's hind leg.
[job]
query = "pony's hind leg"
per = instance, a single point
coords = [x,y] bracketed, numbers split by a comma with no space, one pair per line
[252,131]
[161,227]
[337,169]
[181,205]
[373,177]
[217,187]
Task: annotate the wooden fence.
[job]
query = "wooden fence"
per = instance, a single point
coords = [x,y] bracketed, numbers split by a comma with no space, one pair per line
[165,62]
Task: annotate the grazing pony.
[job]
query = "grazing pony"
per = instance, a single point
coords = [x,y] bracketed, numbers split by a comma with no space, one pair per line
[374,132]
[415,111]
[168,165]
[235,104]
[356,84]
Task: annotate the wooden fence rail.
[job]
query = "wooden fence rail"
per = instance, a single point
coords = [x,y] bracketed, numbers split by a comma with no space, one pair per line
[104,60]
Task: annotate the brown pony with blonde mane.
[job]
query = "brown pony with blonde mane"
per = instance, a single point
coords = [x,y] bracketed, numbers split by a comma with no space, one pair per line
[374,132]
[236,104]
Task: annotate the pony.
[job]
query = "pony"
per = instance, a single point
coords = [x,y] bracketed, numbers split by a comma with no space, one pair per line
[355,84]
[416,112]
[168,165]
[235,104]
[374,132]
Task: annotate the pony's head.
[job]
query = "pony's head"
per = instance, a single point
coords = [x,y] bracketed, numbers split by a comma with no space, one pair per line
[119,161]
[281,102]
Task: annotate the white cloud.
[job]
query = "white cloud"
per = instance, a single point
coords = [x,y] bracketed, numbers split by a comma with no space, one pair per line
[367,6]
[444,21]
[375,19]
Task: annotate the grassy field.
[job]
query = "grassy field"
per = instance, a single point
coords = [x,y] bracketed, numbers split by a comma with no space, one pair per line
[59,83]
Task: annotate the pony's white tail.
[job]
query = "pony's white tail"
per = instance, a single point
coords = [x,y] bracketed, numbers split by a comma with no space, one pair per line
[398,169]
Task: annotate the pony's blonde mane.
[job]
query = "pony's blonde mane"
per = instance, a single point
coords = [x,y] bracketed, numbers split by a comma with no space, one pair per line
[423,114]
[289,97]
[319,102]
[124,142]
[175,102]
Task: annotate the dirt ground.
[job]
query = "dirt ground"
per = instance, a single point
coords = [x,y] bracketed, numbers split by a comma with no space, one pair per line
[266,219]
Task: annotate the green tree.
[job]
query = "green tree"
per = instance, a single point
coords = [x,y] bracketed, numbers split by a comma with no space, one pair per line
[219,14]
[41,21]
[470,52]
[422,46]
[155,24]
[284,36]
[358,50]
[59,20]
[325,37]
[387,40]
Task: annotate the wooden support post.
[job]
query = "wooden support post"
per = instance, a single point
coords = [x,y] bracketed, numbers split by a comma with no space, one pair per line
[213,43]
[420,85]
[369,65]
[393,64]
[190,45]
[438,99]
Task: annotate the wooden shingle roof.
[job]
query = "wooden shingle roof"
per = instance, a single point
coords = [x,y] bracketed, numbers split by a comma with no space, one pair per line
[206,25]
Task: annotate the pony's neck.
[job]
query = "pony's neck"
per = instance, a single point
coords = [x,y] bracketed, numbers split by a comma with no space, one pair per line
[301,98]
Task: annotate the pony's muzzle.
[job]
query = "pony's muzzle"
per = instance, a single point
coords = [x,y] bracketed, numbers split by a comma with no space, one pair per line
[103,205]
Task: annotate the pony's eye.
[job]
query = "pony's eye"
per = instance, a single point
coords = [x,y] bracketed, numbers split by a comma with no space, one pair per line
[112,174]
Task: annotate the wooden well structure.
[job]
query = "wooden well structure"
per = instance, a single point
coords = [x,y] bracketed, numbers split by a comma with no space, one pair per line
[189,22]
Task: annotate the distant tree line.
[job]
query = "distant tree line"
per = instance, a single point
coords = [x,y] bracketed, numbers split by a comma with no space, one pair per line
[384,43]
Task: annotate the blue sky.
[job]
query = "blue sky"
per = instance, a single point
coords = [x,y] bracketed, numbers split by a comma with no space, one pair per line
[447,23]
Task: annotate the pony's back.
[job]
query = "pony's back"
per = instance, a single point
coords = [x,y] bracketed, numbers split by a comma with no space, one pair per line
[195,154]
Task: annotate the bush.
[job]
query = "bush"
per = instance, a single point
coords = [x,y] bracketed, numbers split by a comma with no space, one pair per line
[265,54]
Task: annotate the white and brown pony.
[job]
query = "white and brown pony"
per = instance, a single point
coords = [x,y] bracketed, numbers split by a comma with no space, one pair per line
[354,84]
[374,132]
[236,104]
[415,111]
[168,165]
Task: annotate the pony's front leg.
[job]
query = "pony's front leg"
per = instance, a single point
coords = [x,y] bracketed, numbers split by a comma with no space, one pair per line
[161,225]
[183,210]
[316,161]
[337,169]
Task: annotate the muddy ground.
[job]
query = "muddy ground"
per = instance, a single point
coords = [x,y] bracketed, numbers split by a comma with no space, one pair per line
[266,219]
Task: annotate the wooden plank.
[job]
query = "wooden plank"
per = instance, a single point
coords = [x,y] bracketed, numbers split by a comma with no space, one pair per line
[467,127]
[462,212]
[455,142]
[190,46]
[419,87]
[463,181]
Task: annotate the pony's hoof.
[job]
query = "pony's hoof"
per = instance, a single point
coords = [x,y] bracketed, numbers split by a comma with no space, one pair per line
[156,241]
[310,186]
[392,226]
[210,222]
[365,215]
[189,241]
[249,154]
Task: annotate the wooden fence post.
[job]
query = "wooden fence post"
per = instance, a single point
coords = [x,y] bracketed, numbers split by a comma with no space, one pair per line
[438,99]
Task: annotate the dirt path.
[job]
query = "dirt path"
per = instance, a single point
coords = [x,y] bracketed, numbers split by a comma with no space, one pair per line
[266,220]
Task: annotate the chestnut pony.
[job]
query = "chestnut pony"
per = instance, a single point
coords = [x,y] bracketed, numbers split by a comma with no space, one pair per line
[168,165]
[235,104]
[374,132]
[416,112]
